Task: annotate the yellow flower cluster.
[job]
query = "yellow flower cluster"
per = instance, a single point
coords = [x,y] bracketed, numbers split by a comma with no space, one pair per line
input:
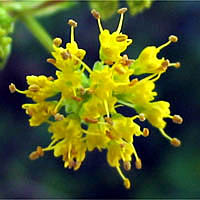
[81,109]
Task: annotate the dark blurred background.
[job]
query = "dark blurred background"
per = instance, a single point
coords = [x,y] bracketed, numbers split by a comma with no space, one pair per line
[167,172]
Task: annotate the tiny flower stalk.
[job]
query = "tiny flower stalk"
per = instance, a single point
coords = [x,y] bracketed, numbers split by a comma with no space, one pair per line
[83,115]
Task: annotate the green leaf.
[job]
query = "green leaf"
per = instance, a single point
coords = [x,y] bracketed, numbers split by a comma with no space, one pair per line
[137,7]
[105,8]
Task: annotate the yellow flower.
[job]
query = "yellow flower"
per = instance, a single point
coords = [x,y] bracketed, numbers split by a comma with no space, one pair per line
[39,112]
[112,45]
[147,62]
[40,88]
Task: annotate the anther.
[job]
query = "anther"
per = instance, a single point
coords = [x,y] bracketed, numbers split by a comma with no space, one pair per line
[95,14]
[138,163]
[133,82]
[58,117]
[175,142]
[142,117]
[34,155]
[65,55]
[173,38]
[120,70]
[177,119]
[121,38]
[71,164]
[145,132]
[108,62]
[108,133]
[34,88]
[127,165]
[12,88]
[109,120]
[122,10]
[90,120]
[77,98]
[40,151]
[73,23]
[50,78]
[165,64]
[177,64]
[125,61]
[51,60]
[127,183]
[57,42]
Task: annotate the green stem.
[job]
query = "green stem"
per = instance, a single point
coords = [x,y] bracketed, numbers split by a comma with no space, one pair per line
[126,103]
[38,31]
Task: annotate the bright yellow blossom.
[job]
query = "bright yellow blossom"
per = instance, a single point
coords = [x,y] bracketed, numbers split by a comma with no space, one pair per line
[82,110]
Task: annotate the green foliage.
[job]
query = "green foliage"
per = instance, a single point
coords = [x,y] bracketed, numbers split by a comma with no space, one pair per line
[105,8]
[138,6]
[6,27]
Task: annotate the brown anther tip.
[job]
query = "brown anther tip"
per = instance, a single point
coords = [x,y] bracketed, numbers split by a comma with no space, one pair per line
[177,119]
[165,63]
[109,120]
[177,64]
[138,164]
[145,132]
[108,133]
[12,88]
[65,55]
[127,183]
[34,155]
[122,10]
[175,142]
[73,23]
[77,98]
[40,151]
[142,117]
[127,165]
[119,70]
[133,82]
[95,14]
[121,38]
[72,164]
[57,42]
[108,62]
[90,120]
[50,78]
[58,117]
[34,88]
[173,38]
[51,60]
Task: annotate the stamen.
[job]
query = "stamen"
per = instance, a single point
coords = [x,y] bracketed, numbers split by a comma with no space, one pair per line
[12,88]
[120,70]
[58,105]
[121,38]
[125,61]
[164,134]
[133,82]
[34,88]
[142,117]
[57,42]
[65,55]
[127,165]
[177,64]
[51,61]
[145,132]
[109,120]
[106,107]
[177,119]
[165,65]
[97,16]
[73,25]
[50,78]
[138,163]
[40,151]
[90,120]
[121,12]
[77,98]
[173,38]
[34,155]
[58,117]
[175,142]
[127,183]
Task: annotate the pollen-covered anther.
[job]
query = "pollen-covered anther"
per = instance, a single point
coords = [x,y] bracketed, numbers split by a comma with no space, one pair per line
[95,14]
[108,62]
[177,64]
[34,88]
[133,82]
[127,183]
[50,78]
[34,155]
[108,133]
[77,98]
[175,142]
[51,60]
[177,119]
[127,165]
[12,88]
[91,120]
[173,38]
[142,117]
[145,132]
[40,151]
[125,61]
[57,42]
[109,120]
[65,55]
[138,163]
[121,38]
[120,70]
[73,23]
[72,164]
[122,10]
[58,117]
